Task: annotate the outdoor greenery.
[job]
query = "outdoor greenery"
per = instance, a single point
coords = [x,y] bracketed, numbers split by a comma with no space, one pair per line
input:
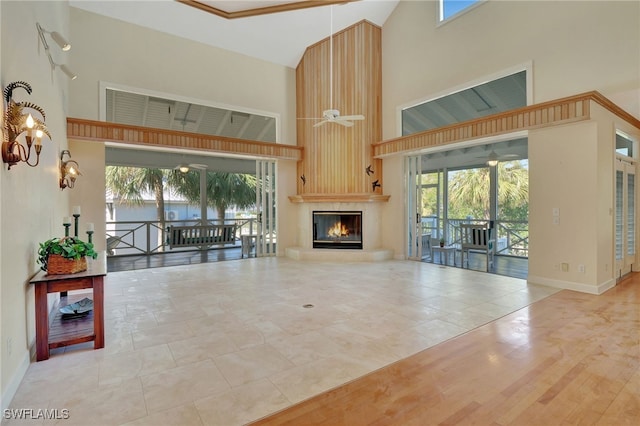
[129,184]
[224,190]
[469,193]
[67,247]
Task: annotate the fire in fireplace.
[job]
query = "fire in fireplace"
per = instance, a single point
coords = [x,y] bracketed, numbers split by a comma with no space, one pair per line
[337,229]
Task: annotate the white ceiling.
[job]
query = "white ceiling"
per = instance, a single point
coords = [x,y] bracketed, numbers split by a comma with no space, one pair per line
[280,38]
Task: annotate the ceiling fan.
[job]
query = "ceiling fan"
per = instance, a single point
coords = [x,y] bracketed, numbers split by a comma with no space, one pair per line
[333,115]
[493,158]
[184,167]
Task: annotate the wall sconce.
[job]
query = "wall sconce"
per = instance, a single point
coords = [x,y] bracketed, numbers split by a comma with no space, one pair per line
[60,41]
[69,170]
[17,122]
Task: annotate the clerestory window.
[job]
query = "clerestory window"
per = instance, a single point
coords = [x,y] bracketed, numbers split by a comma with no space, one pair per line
[450,8]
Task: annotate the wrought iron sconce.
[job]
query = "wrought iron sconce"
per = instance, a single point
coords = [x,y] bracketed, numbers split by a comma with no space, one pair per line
[18,121]
[69,170]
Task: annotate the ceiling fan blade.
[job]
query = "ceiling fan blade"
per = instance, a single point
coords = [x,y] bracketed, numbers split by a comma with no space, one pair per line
[320,123]
[343,122]
[198,166]
[351,117]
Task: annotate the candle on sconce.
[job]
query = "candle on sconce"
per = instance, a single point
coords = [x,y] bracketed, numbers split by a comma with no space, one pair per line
[76,210]
[90,227]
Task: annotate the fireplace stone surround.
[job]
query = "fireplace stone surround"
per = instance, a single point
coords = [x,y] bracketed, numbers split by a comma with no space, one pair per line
[371,234]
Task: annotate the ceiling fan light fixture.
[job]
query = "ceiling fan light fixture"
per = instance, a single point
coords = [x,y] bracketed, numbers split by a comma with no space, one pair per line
[492,160]
[183,168]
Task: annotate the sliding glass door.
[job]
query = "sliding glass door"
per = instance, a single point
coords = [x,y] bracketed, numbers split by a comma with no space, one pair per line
[266,206]
[413,176]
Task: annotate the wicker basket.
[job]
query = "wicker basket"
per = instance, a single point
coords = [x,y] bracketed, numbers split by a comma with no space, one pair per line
[57,265]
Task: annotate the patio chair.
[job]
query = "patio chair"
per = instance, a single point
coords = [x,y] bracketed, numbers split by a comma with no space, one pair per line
[112,243]
[477,238]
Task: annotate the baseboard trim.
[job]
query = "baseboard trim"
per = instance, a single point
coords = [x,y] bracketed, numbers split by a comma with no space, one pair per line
[16,379]
[570,285]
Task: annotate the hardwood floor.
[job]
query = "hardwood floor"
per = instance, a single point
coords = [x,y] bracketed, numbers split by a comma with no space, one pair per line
[571,358]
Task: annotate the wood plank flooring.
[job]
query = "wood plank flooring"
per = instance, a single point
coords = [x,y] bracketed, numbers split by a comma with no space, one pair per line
[572,358]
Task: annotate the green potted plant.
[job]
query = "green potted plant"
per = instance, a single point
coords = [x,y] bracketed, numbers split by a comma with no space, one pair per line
[441,242]
[65,255]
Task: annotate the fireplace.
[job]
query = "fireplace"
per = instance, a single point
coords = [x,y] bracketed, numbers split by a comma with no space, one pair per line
[337,229]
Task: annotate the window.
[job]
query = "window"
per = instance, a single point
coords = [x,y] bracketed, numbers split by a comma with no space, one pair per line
[498,95]
[624,145]
[136,109]
[449,8]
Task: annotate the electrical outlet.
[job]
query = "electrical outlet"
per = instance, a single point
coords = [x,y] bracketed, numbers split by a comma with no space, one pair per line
[565,267]
[581,268]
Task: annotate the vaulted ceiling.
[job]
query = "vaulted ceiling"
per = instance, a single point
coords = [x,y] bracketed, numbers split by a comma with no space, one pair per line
[280,37]
[277,31]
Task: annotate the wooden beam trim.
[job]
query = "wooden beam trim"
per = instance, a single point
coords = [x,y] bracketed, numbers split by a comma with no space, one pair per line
[102,131]
[560,111]
[286,7]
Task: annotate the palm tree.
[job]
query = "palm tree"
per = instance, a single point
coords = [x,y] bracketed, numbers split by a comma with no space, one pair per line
[469,191]
[223,189]
[128,184]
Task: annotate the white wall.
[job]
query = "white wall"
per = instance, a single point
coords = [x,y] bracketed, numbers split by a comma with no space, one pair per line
[567,180]
[88,189]
[31,203]
[573,46]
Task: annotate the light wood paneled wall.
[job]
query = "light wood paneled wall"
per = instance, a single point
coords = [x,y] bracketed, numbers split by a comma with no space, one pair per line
[335,158]
[101,131]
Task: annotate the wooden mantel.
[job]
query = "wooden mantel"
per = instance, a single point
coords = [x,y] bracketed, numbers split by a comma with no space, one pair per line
[339,198]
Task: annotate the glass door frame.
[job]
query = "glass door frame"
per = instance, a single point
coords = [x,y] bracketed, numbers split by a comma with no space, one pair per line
[413,185]
[265,206]
[625,217]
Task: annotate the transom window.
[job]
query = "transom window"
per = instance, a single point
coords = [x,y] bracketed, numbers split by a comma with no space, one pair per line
[624,145]
[450,8]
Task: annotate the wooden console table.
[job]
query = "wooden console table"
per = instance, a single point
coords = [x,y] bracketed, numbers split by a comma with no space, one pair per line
[87,329]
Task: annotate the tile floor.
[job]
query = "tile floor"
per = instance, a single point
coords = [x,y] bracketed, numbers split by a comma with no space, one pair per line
[229,342]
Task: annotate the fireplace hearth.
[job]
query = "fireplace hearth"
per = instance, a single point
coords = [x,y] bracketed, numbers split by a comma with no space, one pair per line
[337,229]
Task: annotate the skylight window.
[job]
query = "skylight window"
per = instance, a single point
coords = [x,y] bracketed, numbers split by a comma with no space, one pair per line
[450,8]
